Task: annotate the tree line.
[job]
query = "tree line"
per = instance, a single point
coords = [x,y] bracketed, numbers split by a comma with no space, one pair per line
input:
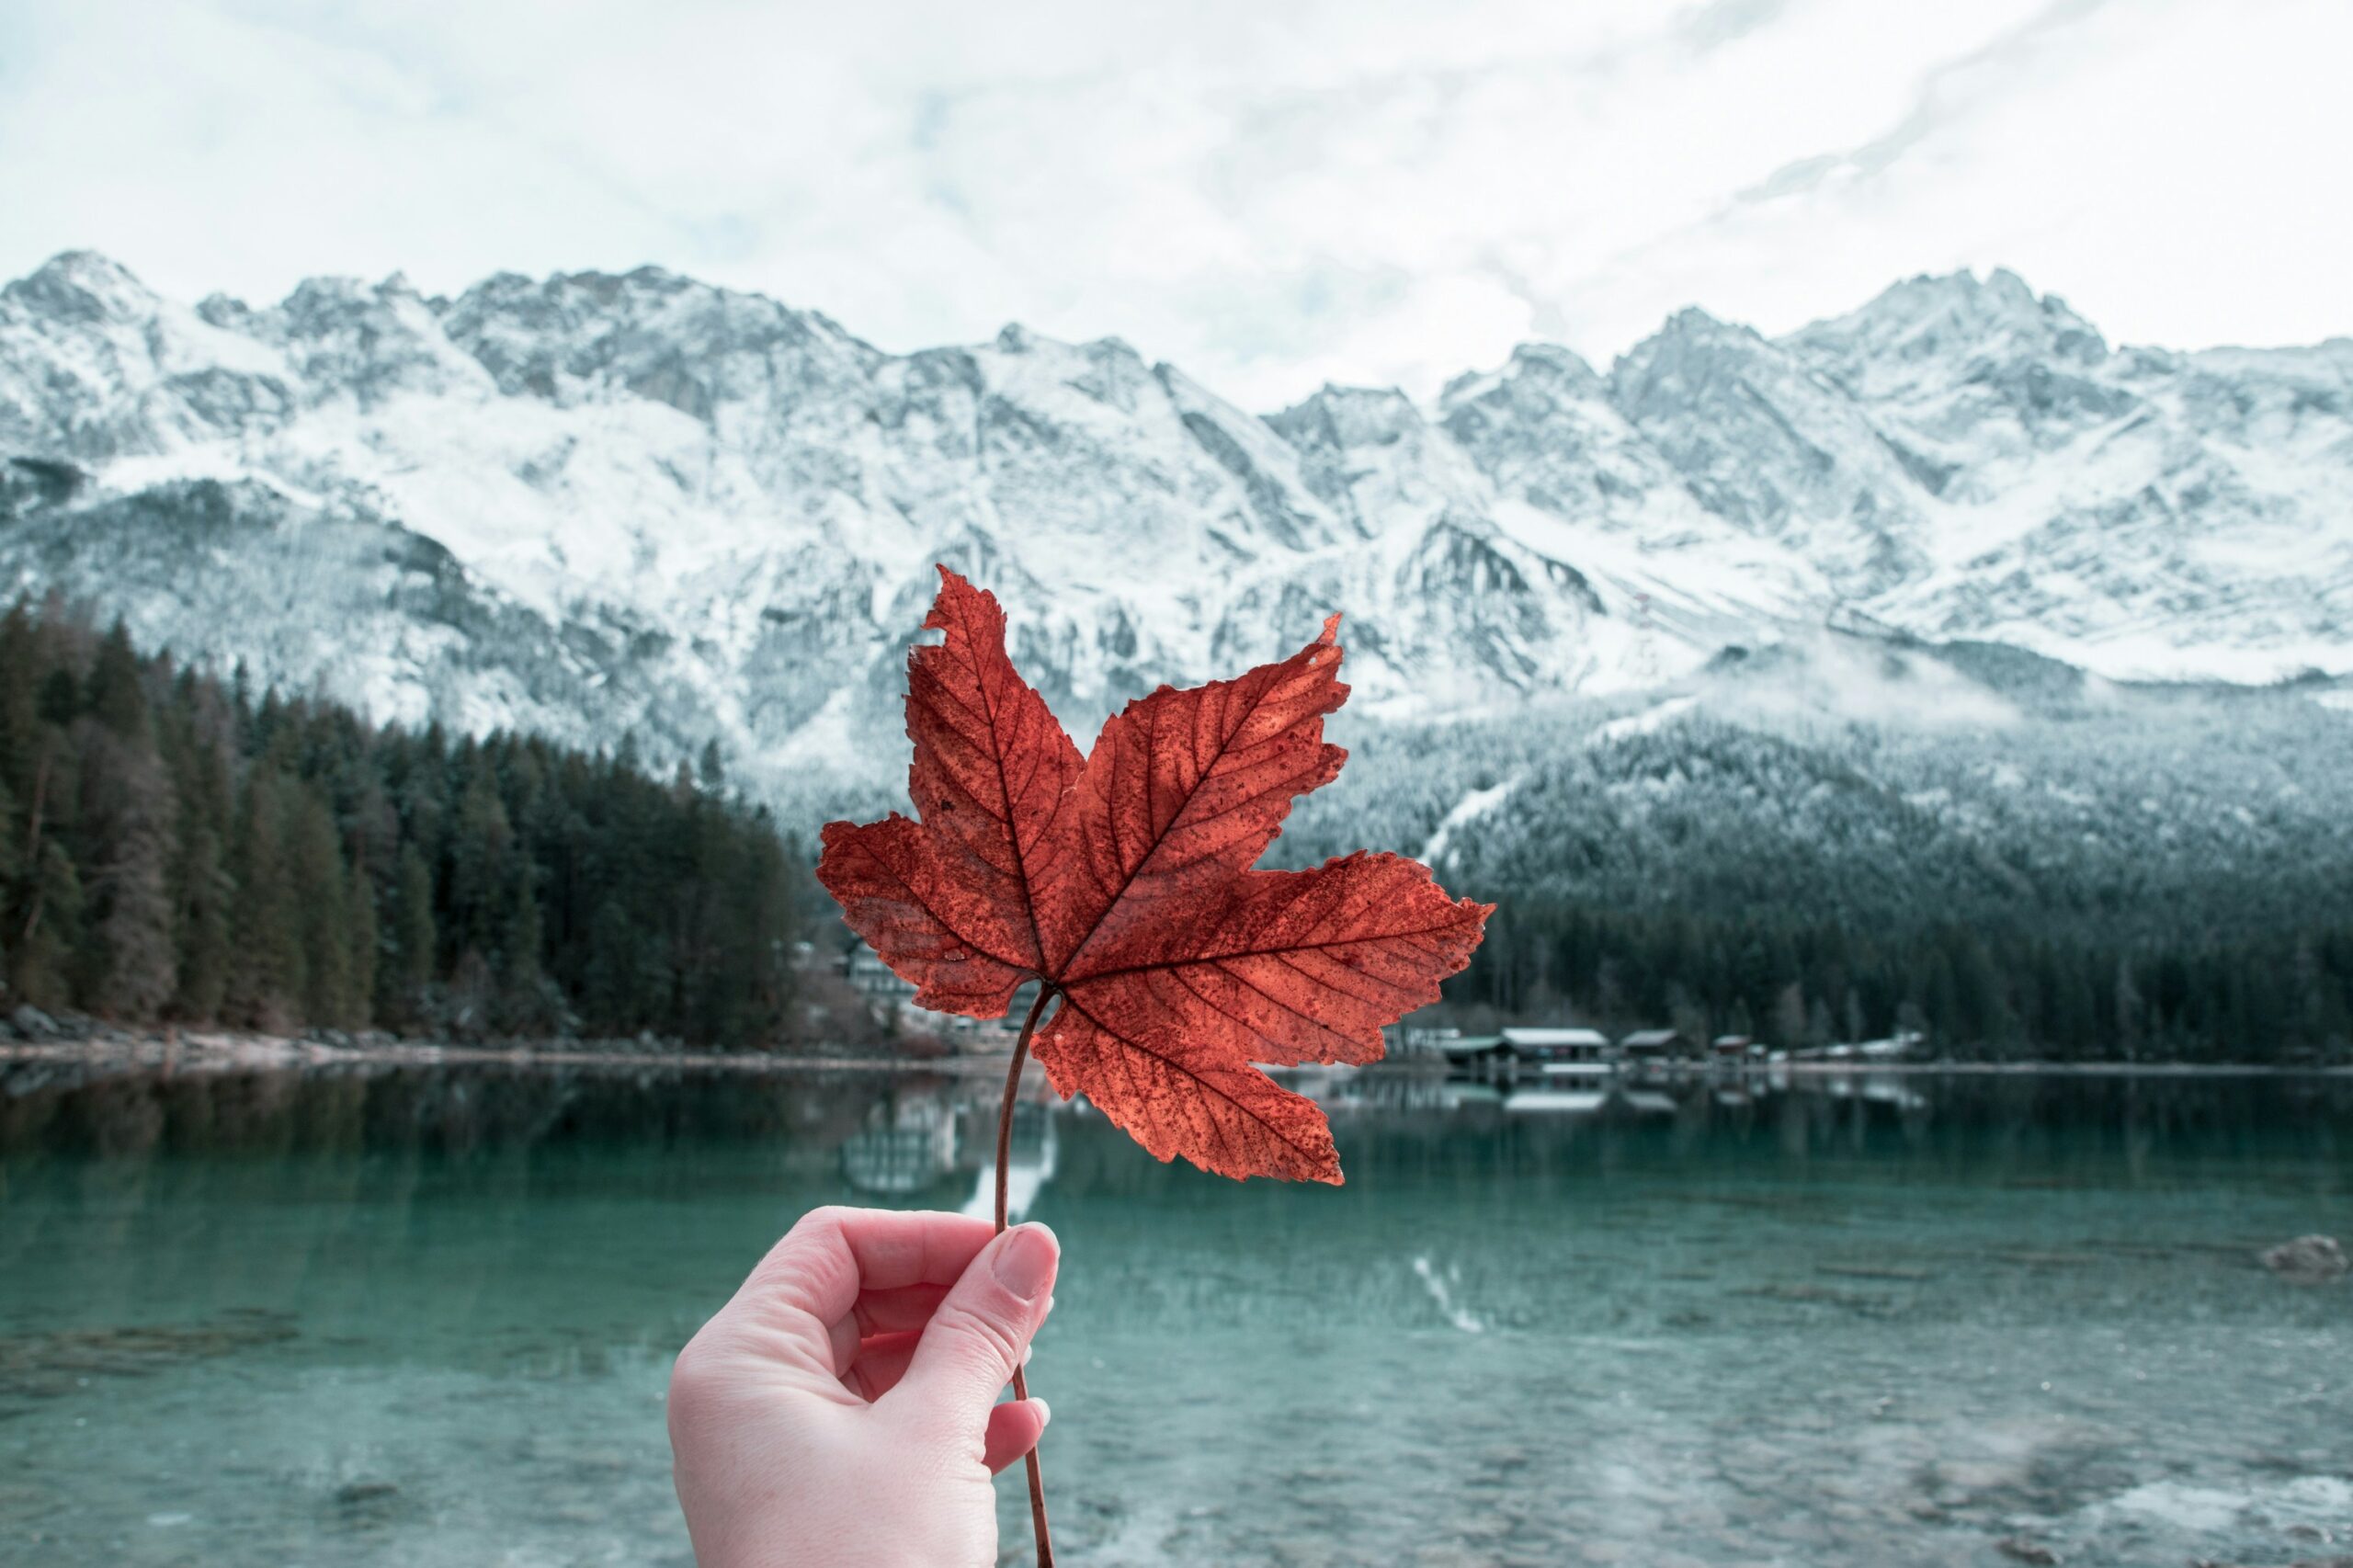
[173,849]
[2171,880]
[2156,874]
[2013,988]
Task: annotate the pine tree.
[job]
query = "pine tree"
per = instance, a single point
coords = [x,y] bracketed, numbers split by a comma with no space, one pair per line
[404,980]
[127,818]
[202,892]
[319,883]
[45,943]
[365,948]
[522,1006]
[482,873]
[267,976]
[128,824]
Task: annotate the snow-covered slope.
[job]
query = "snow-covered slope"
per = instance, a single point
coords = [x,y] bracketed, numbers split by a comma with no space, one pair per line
[595,505]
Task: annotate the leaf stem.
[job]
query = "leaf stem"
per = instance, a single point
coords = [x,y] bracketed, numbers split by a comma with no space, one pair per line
[1003,1156]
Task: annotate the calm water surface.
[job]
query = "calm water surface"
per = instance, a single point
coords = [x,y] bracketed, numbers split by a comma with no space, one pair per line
[426,1318]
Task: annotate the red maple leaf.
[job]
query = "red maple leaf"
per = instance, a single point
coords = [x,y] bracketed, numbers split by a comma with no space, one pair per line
[1123,881]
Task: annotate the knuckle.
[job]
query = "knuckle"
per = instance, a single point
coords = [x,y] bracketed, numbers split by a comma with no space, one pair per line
[984,1337]
[828,1217]
[695,1382]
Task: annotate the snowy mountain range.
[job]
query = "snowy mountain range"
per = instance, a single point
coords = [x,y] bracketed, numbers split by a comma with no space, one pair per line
[593,505]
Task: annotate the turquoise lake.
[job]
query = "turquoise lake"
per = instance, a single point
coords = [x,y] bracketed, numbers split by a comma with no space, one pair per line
[424,1317]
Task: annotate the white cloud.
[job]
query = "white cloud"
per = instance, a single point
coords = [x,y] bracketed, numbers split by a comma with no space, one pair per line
[1270,195]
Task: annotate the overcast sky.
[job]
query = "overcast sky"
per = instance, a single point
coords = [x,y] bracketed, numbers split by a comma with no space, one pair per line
[1271,195]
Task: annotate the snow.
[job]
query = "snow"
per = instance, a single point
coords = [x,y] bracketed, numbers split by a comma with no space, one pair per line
[1650,720]
[700,514]
[1469,808]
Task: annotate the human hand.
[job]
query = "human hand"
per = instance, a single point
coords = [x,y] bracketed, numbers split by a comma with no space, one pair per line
[840,1411]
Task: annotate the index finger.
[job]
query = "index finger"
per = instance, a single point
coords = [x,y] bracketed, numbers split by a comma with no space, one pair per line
[833,1254]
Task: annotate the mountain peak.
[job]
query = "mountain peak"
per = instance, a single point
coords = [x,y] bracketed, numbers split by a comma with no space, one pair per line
[1693,322]
[1342,416]
[1957,312]
[1691,338]
[86,285]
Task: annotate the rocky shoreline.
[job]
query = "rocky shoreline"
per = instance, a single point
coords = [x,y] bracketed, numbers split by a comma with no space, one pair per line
[28,1035]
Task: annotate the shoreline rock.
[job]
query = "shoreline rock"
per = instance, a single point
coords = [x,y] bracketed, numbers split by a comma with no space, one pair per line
[2307,1260]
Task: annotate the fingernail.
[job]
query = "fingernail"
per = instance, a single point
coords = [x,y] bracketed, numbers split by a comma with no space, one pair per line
[1045,1411]
[1025,1260]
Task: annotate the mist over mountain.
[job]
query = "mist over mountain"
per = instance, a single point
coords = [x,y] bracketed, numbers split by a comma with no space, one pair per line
[591,506]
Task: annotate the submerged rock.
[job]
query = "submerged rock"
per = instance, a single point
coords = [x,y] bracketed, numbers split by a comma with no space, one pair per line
[50,1365]
[2020,1550]
[2307,1260]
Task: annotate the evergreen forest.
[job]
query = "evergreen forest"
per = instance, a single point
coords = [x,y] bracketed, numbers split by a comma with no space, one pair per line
[2142,876]
[174,850]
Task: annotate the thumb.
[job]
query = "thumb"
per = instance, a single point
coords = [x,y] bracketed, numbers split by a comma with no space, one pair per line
[981,1329]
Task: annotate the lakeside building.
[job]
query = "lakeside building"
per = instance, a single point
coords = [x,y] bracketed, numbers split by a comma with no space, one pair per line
[1418,1040]
[1558,1055]
[1903,1045]
[874,979]
[1478,1054]
[1645,1047]
[1566,1045]
[1564,1058]
[891,1001]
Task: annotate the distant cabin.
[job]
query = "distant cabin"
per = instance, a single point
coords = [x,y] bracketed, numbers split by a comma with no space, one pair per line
[1654,1045]
[1472,1050]
[1557,1045]
[1735,1047]
[1418,1040]
[873,979]
[1900,1046]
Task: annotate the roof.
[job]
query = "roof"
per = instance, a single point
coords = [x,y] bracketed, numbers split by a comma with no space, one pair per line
[1540,1039]
[1652,1037]
[1469,1044]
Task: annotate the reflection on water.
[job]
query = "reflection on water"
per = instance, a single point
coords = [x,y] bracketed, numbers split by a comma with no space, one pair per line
[414,1316]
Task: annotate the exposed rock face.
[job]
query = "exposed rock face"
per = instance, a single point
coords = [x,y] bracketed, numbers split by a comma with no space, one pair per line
[596,504]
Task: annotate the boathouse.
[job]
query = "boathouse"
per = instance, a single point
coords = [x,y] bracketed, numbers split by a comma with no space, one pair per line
[1542,1045]
[1474,1053]
[1655,1045]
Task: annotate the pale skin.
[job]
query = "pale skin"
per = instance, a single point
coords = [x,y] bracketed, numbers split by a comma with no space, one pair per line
[841,1411]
